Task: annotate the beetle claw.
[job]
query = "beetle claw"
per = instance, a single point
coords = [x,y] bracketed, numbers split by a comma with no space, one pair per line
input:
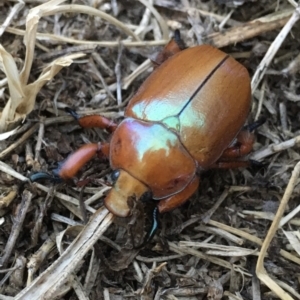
[150,234]
[42,175]
[72,113]
[251,127]
[178,39]
[255,163]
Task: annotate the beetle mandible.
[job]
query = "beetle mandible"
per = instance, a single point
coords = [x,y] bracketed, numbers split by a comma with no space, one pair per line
[186,117]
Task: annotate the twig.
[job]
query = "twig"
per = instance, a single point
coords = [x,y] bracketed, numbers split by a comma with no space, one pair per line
[16,228]
[252,238]
[118,74]
[248,30]
[7,169]
[45,286]
[13,13]
[260,269]
[163,25]
[38,146]
[274,148]
[264,64]
[83,9]
[106,44]
[47,122]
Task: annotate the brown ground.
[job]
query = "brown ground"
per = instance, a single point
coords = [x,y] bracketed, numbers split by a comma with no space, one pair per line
[201,251]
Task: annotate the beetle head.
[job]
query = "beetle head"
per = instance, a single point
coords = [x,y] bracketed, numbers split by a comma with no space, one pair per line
[125,187]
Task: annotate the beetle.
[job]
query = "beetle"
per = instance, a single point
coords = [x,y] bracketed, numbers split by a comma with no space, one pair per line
[187,117]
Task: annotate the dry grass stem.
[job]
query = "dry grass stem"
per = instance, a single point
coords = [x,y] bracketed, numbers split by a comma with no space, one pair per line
[73,8]
[275,148]
[18,223]
[260,269]
[222,250]
[222,233]
[248,30]
[8,170]
[264,64]
[199,254]
[106,44]
[47,284]
[252,238]
[15,10]
[293,2]
[293,237]
[163,25]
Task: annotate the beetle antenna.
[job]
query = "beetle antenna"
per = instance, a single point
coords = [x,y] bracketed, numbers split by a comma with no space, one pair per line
[72,113]
[150,234]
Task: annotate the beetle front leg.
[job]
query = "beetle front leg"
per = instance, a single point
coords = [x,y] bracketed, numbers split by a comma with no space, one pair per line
[93,121]
[75,161]
[179,198]
[71,166]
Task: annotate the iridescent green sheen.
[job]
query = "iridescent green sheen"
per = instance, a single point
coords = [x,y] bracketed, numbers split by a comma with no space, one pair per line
[151,139]
[192,118]
[172,123]
[157,110]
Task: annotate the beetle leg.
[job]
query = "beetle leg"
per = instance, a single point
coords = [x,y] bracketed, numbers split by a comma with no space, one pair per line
[233,164]
[230,164]
[174,46]
[180,198]
[79,158]
[244,141]
[70,167]
[243,145]
[93,121]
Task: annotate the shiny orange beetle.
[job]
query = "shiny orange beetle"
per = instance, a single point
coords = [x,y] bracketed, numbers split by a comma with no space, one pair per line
[186,117]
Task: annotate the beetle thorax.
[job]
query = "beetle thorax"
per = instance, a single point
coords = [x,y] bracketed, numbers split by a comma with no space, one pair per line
[153,154]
